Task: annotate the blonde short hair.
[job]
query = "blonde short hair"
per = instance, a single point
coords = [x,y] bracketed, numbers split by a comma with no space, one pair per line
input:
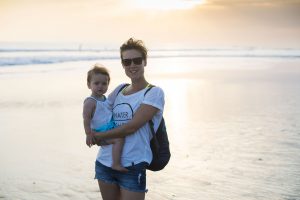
[138,45]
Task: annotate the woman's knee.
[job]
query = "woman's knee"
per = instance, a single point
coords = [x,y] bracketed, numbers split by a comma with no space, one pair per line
[129,195]
[109,191]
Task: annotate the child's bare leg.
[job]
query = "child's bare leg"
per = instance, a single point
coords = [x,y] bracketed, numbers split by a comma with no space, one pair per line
[117,148]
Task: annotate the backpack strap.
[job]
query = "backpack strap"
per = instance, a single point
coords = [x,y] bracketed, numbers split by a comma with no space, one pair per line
[151,124]
[123,87]
[149,86]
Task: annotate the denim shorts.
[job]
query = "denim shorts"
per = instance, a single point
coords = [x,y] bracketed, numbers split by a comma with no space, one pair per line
[134,180]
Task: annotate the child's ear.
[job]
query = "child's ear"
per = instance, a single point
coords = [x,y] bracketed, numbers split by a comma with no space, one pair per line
[88,85]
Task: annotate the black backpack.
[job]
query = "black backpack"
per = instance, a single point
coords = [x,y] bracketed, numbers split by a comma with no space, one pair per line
[159,143]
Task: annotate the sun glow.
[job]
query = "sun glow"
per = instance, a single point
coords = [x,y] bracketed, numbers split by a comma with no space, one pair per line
[167,4]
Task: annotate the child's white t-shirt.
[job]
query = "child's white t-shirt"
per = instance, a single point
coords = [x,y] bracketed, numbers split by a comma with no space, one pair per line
[102,114]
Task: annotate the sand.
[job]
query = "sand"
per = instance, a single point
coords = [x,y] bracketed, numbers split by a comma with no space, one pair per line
[233,125]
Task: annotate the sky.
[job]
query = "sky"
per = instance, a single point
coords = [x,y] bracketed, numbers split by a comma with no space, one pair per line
[160,23]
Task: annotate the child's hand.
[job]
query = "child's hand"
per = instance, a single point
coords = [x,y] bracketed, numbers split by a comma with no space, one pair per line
[90,140]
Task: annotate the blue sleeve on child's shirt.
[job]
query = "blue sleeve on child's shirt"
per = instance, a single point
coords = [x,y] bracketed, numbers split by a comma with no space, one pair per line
[105,127]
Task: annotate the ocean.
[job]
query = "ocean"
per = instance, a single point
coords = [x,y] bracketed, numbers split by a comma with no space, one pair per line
[232,115]
[15,56]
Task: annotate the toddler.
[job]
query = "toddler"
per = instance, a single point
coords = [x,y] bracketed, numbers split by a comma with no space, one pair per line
[97,113]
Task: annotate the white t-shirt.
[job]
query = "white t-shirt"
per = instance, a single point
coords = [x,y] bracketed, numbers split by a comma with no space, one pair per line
[137,145]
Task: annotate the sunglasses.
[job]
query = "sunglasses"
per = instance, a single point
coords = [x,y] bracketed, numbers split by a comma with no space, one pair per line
[136,61]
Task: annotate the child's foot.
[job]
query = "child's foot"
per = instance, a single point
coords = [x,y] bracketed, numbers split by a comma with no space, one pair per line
[119,168]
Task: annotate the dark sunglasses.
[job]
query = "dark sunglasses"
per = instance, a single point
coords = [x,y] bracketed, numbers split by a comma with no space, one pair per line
[136,61]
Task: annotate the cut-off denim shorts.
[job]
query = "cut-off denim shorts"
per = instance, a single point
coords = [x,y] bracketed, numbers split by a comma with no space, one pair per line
[134,180]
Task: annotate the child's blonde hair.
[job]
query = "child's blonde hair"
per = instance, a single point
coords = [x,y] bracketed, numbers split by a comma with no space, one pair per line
[97,69]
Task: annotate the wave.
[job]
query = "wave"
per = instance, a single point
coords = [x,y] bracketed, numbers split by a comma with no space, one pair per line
[12,61]
[16,57]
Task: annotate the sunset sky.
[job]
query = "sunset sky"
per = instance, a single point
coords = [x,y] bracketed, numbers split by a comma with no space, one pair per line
[162,23]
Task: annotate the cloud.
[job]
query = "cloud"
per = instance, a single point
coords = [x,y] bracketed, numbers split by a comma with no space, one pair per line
[275,13]
[230,22]
[242,24]
[251,2]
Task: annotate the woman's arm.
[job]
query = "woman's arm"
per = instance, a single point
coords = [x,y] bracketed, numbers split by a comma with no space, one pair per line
[144,114]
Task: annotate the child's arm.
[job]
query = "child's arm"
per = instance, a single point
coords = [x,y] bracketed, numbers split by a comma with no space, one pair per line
[88,112]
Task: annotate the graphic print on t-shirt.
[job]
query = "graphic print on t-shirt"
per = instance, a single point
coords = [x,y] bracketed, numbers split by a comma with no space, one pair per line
[122,113]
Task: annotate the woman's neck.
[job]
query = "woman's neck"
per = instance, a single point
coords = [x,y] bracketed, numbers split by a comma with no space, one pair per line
[138,84]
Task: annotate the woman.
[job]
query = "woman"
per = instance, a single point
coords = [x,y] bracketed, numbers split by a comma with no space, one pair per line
[131,111]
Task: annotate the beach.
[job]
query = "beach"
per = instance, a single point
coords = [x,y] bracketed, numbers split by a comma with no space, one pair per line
[233,125]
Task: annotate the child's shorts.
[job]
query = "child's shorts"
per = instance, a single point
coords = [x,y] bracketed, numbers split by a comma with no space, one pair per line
[134,180]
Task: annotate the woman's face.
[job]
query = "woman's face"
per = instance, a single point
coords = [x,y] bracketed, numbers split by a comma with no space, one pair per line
[133,63]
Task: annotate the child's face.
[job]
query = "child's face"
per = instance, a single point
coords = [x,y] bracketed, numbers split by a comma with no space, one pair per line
[98,84]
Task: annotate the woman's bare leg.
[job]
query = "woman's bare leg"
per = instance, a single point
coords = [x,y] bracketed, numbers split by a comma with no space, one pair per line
[109,191]
[129,195]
